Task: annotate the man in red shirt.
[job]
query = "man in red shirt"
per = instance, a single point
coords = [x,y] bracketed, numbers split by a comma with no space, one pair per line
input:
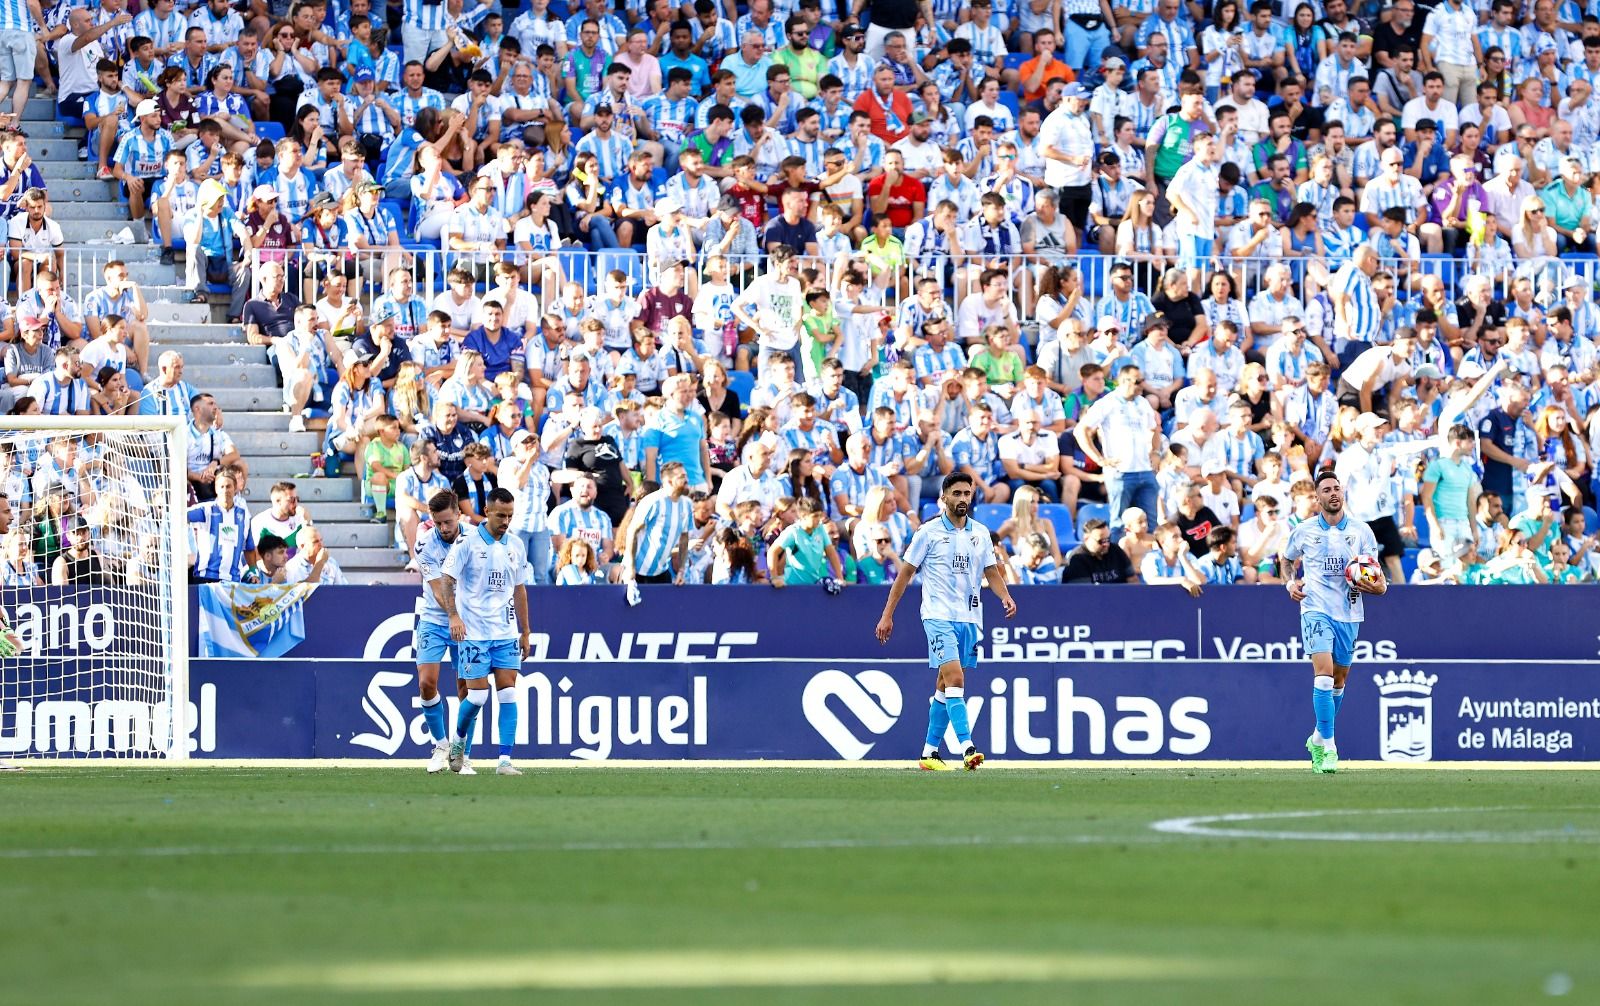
[895,194]
[889,110]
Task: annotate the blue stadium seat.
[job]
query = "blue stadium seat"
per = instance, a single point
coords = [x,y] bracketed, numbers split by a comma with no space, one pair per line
[1061,519]
[269,130]
[1091,511]
[1014,60]
[1591,520]
[1009,99]
[992,515]
[577,265]
[743,384]
[1408,562]
[930,510]
[626,260]
[1423,538]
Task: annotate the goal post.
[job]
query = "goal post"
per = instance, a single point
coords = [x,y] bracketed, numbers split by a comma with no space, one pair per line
[94,587]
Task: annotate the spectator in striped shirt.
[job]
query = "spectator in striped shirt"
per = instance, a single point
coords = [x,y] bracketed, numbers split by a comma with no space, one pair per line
[225,549]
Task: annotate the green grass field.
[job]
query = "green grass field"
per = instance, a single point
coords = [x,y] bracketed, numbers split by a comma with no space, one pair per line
[781,886]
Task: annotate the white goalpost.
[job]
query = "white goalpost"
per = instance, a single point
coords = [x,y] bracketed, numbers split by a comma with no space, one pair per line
[93,588]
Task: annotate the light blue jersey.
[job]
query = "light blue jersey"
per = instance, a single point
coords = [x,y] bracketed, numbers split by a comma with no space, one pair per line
[487,572]
[1324,551]
[952,562]
[432,550]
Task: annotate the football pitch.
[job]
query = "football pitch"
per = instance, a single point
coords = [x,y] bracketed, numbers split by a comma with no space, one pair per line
[788,885]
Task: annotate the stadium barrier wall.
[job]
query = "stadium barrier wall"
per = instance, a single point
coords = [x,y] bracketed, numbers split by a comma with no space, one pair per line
[1505,673]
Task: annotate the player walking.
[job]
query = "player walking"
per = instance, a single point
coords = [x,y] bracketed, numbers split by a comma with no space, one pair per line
[956,557]
[485,594]
[1330,606]
[434,540]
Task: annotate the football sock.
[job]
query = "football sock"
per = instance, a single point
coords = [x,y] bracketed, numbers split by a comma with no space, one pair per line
[477,698]
[938,722]
[433,715]
[1322,704]
[506,699]
[1338,700]
[955,702]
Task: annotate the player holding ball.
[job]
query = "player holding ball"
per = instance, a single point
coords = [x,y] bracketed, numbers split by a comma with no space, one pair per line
[1335,553]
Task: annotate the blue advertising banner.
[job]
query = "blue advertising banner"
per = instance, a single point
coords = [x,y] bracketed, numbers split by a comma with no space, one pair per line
[816,710]
[1081,673]
[1053,623]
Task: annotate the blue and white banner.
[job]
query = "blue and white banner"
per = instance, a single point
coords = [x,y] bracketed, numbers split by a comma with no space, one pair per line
[779,710]
[245,620]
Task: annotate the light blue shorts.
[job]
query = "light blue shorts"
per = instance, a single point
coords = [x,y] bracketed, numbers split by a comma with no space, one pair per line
[1194,252]
[432,642]
[1321,634]
[949,641]
[477,659]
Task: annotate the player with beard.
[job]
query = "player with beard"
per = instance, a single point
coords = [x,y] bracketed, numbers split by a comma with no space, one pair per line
[1330,605]
[435,538]
[956,558]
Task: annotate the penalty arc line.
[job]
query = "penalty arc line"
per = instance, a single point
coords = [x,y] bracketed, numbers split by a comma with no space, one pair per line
[1203,827]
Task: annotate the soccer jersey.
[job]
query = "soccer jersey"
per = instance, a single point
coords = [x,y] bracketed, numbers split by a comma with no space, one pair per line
[572,521]
[221,549]
[664,521]
[487,572]
[952,561]
[1324,552]
[432,551]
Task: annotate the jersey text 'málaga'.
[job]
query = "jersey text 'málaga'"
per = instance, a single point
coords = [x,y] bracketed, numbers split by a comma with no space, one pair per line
[952,561]
[1324,551]
[487,573]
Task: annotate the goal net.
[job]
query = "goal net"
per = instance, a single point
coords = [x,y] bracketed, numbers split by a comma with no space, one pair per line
[94,656]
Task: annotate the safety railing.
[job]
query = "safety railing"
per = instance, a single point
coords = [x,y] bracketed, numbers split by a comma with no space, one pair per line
[81,268]
[1037,285]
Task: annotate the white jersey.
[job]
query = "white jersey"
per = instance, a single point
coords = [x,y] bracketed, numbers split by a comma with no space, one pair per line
[952,561]
[432,551]
[1324,552]
[487,573]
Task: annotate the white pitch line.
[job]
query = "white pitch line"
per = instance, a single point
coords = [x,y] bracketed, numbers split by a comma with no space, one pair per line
[1202,827]
[695,845]
[43,766]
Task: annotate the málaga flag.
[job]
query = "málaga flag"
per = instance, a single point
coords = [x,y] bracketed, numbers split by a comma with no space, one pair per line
[252,620]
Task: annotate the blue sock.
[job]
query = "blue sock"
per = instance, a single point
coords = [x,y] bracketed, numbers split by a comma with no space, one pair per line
[469,715]
[507,719]
[956,702]
[938,722]
[1323,704]
[1338,700]
[433,715]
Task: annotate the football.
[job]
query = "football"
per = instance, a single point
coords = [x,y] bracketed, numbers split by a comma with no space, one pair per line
[1363,569]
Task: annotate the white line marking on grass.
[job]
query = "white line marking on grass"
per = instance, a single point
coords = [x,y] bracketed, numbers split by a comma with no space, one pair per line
[686,845]
[710,969]
[1205,827]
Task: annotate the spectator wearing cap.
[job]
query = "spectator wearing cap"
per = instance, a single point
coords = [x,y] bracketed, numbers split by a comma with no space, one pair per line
[374,120]
[140,155]
[385,350]
[273,232]
[28,358]
[1367,471]
[1066,138]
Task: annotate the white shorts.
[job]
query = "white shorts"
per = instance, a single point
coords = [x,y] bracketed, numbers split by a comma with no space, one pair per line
[18,50]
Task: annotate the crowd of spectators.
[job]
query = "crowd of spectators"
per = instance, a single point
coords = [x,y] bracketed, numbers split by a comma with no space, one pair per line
[1160,259]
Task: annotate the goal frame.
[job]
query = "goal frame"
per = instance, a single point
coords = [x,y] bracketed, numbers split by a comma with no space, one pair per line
[174,430]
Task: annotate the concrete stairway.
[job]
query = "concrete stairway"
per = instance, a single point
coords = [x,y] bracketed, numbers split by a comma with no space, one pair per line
[216,358]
